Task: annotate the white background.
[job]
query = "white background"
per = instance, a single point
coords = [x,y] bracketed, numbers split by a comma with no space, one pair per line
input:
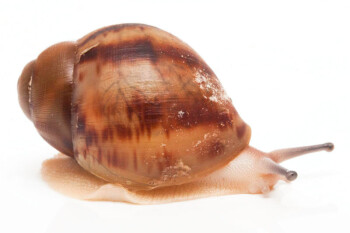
[286,66]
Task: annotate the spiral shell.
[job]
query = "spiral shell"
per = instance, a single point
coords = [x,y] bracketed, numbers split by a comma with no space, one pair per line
[134,105]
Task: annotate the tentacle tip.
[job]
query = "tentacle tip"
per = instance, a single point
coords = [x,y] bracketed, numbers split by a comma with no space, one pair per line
[291,175]
[329,146]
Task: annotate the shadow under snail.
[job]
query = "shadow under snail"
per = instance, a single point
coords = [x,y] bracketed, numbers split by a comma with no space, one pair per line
[145,119]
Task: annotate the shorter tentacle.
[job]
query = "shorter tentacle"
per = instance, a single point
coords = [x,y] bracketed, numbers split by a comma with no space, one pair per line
[268,166]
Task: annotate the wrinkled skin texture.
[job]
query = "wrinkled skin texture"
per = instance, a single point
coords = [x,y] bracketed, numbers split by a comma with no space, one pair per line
[252,171]
[66,176]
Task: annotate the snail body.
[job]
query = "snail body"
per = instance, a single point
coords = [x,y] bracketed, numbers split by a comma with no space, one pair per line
[138,108]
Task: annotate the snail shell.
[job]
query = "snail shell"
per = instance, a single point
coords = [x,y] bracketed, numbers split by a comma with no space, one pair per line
[134,105]
[137,107]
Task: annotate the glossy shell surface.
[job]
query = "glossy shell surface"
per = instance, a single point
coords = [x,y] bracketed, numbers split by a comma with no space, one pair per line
[147,110]
[142,109]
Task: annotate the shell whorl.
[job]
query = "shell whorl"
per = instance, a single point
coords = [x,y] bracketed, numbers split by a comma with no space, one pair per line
[45,90]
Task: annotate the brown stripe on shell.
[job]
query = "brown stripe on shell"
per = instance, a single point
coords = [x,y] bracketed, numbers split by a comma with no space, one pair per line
[89,55]
[118,160]
[137,131]
[162,111]
[140,49]
[123,132]
[112,28]
[135,160]
[151,115]
[130,50]
[149,121]
[107,134]
[91,137]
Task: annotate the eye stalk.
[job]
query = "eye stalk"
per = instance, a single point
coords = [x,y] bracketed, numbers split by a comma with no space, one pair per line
[24,88]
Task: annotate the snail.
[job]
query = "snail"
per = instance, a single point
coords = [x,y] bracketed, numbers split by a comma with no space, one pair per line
[142,119]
